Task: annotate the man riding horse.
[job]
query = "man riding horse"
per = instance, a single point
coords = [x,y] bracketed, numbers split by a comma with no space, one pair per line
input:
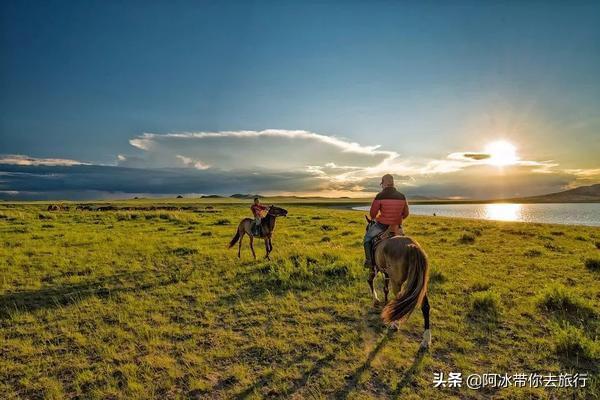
[389,209]
[264,221]
[258,211]
[400,258]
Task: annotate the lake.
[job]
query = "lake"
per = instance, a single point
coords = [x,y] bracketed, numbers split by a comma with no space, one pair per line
[565,213]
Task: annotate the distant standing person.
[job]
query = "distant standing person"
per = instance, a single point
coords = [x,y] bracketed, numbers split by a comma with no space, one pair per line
[388,208]
[258,211]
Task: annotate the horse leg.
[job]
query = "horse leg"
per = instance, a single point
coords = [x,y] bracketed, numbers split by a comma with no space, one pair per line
[386,286]
[372,276]
[267,248]
[427,334]
[252,246]
[240,244]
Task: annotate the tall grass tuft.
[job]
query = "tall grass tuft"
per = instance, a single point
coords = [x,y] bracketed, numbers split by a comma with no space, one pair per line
[485,305]
[570,342]
[564,303]
[467,238]
[593,264]
[437,277]
[532,253]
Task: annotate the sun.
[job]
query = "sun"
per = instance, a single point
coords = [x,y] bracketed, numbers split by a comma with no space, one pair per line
[501,153]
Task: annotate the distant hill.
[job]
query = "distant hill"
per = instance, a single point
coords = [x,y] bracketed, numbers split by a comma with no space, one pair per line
[420,197]
[211,196]
[245,196]
[582,194]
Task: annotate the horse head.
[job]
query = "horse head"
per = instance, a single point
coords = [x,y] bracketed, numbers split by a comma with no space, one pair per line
[277,211]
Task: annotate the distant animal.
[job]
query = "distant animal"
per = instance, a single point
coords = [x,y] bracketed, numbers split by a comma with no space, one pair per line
[267,228]
[402,261]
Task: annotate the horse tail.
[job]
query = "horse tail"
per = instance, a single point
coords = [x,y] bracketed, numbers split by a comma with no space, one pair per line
[235,239]
[400,308]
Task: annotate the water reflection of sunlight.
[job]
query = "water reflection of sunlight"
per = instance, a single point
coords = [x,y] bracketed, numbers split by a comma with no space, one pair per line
[503,212]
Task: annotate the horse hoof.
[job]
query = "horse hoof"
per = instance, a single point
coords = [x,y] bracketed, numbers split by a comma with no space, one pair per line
[394,326]
[426,343]
[376,303]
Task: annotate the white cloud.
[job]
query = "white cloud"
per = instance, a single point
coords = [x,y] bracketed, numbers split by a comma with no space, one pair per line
[584,176]
[271,150]
[187,161]
[147,140]
[19,159]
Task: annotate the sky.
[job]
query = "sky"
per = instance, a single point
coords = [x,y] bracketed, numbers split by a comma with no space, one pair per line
[462,99]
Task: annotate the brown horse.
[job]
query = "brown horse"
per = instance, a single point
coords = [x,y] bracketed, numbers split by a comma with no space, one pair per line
[267,226]
[401,260]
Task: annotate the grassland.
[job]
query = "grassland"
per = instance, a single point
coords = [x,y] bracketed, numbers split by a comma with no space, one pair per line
[151,304]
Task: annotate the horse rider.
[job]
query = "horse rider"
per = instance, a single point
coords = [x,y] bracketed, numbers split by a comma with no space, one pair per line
[388,208]
[258,211]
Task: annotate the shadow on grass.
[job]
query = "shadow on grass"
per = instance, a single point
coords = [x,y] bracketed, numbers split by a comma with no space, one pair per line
[297,384]
[373,324]
[409,375]
[353,379]
[66,294]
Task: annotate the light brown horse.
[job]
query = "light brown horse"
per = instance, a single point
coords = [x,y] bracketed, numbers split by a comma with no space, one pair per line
[402,261]
[267,226]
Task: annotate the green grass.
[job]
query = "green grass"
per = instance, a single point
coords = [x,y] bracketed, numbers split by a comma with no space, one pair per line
[149,303]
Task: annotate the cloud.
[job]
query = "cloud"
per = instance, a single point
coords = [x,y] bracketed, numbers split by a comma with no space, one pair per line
[327,157]
[53,181]
[193,163]
[272,149]
[19,159]
[489,182]
[280,161]
[149,140]
[99,181]
[584,176]
[474,156]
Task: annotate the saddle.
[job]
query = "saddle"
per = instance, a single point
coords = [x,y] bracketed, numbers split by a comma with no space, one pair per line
[256,229]
[390,232]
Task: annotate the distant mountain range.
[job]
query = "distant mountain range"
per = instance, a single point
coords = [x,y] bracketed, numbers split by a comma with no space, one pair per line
[245,196]
[582,194]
